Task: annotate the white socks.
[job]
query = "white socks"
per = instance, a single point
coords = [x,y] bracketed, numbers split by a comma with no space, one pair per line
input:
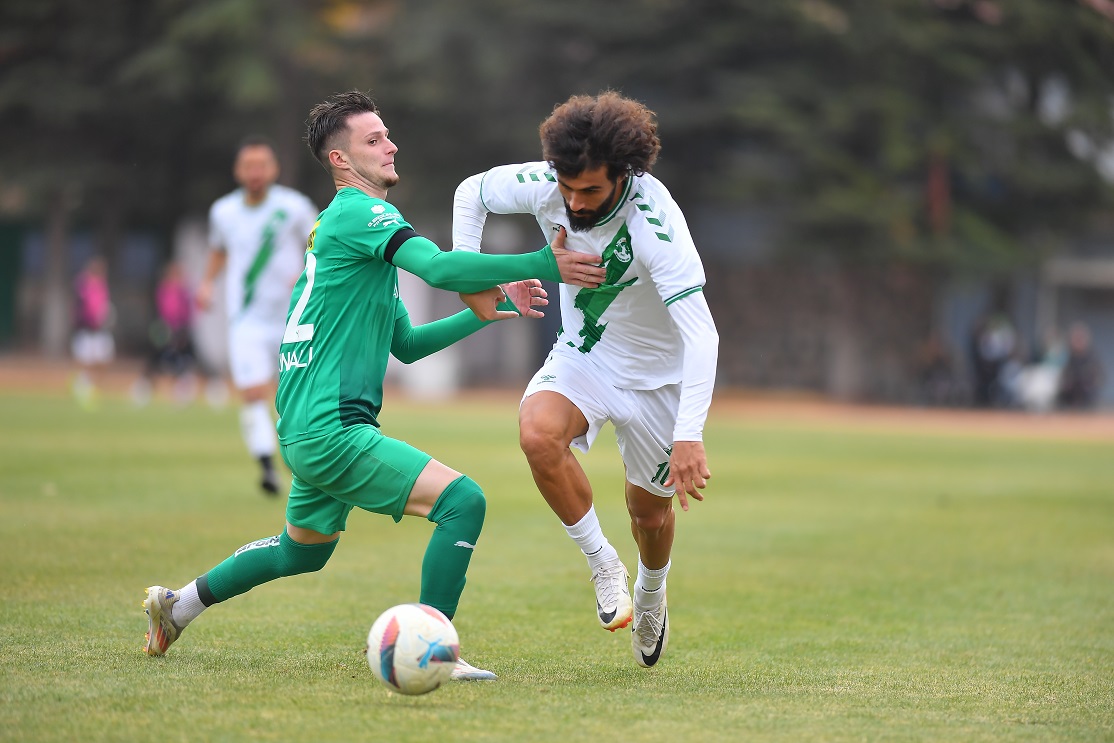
[189,606]
[258,428]
[649,586]
[589,537]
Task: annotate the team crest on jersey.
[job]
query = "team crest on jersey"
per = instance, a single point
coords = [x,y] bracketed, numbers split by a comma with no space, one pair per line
[622,249]
[618,255]
[378,209]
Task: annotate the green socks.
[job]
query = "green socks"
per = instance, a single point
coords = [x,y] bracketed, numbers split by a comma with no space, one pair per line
[459,515]
[259,562]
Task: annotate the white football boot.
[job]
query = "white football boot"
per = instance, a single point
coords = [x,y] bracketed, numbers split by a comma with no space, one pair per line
[613,603]
[465,671]
[650,633]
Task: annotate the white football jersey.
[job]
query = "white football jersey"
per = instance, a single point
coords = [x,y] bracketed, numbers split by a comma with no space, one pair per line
[623,326]
[266,246]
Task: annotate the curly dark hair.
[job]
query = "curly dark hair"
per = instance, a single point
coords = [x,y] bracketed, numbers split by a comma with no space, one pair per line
[330,118]
[586,132]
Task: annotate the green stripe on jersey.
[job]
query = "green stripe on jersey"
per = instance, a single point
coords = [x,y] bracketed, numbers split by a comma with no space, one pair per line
[654,216]
[682,295]
[263,255]
[535,174]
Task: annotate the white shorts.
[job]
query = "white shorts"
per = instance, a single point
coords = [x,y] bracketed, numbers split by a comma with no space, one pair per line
[93,347]
[253,352]
[643,419]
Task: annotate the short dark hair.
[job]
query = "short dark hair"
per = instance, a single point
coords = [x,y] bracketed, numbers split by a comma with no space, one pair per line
[256,140]
[329,119]
[586,132]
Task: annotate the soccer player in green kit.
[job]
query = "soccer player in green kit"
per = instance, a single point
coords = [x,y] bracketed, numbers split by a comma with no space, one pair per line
[345,318]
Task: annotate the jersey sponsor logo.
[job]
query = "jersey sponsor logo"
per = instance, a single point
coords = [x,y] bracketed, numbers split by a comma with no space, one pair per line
[312,236]
[383,216]
[547,378]
[297,358]
[385,220]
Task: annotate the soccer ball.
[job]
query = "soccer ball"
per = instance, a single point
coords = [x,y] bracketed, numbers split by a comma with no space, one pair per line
[412,648]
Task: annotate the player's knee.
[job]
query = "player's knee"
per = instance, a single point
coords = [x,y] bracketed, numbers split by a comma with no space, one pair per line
[541,447]
[305,558]
[462,499]
[653,520]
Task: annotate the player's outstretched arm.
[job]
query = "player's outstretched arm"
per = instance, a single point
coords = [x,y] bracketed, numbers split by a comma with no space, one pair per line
[410,343]
[467,272]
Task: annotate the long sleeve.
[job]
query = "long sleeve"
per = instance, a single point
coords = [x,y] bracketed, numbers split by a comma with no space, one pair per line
[411,343]
[464,271]
[469,215]
[701,342]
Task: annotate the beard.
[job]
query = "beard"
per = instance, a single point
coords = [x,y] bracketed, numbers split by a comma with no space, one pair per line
[586,219]
[584,222]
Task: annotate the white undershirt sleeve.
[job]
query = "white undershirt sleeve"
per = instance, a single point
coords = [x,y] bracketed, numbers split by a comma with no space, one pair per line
[701,342]
[469,214]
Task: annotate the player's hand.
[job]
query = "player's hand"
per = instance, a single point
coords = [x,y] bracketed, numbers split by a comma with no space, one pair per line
[526,296]
[578,269]
[688,471]
[204,295]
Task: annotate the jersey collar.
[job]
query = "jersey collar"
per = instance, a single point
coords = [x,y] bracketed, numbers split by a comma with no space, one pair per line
[618,202]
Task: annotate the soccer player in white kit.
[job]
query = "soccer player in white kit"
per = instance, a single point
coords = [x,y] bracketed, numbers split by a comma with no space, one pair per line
[258,233]
[640,350]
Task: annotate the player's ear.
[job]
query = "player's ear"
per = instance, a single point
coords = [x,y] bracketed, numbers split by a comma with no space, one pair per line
[338,159]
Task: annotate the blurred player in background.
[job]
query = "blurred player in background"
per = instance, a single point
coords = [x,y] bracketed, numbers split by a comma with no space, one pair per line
[93,347]
[258,233]
[171,340]
[640,350]
[345,318]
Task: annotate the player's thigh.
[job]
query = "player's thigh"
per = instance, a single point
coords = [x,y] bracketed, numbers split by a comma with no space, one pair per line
[645,436]
[432,481]
[360,467]
[582,408]
[253,349]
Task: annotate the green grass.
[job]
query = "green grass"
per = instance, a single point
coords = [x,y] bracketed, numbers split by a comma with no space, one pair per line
[835,585]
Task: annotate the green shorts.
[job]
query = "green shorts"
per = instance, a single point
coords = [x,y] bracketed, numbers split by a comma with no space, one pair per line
[354,466]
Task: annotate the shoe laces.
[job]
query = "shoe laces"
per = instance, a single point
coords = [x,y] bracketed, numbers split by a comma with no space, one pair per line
[648,626]
[610,581]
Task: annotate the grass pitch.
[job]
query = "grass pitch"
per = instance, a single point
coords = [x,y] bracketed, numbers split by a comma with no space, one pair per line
[837,584]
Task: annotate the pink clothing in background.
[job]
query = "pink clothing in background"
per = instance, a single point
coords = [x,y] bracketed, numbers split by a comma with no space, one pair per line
[92,301]
[173,300]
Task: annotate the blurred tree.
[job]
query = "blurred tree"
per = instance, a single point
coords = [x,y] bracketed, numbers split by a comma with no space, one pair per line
[958,133]
[934,131]
[126,114]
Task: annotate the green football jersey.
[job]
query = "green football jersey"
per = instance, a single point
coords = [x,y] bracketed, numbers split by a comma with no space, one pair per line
[345,311]
[342,315]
